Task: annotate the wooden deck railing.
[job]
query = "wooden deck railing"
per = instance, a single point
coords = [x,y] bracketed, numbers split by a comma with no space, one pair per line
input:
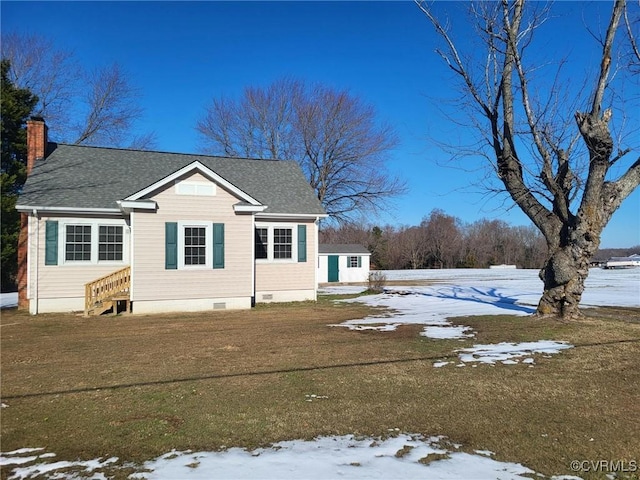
[103,288]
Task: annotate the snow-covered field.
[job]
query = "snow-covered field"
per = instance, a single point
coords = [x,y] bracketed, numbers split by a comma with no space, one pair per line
[468,292]
[452,293]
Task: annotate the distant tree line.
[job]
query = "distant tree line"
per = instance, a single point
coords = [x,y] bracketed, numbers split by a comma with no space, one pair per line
[444,241]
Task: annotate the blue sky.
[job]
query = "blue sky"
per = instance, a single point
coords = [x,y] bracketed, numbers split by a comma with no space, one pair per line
[182,54]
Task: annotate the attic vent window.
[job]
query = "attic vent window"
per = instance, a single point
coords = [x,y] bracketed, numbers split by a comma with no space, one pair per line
[200,189]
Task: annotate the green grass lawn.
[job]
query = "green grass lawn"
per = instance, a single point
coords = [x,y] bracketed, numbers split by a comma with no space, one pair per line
[137,387]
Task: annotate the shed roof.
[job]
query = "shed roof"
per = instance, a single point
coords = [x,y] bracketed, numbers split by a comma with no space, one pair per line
[343,249]
[97,177]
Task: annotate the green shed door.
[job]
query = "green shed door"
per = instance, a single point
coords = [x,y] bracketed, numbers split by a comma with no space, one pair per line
[333,268]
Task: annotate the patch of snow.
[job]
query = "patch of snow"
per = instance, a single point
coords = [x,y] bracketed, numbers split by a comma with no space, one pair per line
[506,352]
[21,451]
[486,453]
[345,456]
[333,457]
[341,289]
[313,396]
[17,460]
[8,300]
[440,364]
[49,470]
[431,306]
[448,332]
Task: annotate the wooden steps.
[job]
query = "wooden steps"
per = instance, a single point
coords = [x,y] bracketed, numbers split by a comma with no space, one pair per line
[108,293]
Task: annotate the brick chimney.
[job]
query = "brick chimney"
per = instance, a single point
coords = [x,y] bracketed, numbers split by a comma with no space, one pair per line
[36,141]
[36,150]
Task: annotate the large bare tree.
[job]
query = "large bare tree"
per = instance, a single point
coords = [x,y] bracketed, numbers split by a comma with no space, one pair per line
[550,144]
[97,108]
[333,135]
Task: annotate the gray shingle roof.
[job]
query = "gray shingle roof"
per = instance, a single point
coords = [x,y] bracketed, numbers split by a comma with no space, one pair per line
[342,248]
[94,177]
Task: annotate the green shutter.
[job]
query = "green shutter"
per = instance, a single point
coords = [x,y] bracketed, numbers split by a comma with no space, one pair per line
[51,243]
[359,262]
[171,246]
[302,243]
[218,245]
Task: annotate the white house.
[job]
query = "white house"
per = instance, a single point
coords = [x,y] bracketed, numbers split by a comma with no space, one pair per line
[343,263]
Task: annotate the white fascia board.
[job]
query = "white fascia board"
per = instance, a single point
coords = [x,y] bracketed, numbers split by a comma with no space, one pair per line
[129,205]
[82,210]
[290,216]
[346,254]
[243,208]
[206,171]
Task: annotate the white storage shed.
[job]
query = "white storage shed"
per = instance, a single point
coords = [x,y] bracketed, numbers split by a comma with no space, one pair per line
[345,263]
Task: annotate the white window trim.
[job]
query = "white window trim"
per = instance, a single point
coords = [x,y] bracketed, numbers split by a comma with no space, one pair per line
[208,248]
[95,225]
[294,242]
[349,257]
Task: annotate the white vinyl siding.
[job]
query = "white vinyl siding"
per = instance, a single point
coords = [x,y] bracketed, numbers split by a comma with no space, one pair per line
[273,275]
[66,280]
[153,282]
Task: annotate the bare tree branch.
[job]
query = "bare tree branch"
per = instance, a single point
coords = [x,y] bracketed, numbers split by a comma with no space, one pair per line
[100,108]
[538,157]
[333,135]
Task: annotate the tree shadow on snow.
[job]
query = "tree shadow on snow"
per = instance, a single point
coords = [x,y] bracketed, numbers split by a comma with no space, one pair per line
[491,296]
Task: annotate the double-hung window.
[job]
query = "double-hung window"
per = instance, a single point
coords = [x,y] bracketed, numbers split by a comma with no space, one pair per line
[192,245]
[77,245]
[282,243]
[110,242]
[195,245]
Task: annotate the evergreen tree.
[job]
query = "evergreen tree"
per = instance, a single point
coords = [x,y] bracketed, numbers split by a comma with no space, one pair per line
[17,105]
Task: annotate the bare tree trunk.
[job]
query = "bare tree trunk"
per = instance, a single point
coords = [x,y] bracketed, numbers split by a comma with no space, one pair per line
[563,276]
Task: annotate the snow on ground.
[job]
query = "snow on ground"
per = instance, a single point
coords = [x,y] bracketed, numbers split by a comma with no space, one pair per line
[602,287]
[510,353]
[399,456]
[451,293]
[8,300]
[467,292]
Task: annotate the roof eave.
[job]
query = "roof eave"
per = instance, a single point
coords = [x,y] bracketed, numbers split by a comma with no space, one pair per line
[291,216]
[127,206]
[244,208]
[68,210]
